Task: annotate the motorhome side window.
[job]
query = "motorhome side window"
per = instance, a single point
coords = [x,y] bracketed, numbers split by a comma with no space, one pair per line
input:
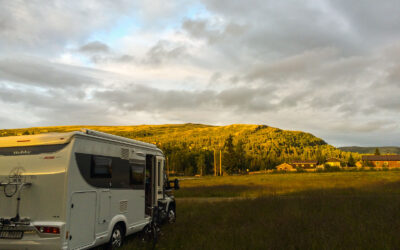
[137,176]
[101,167]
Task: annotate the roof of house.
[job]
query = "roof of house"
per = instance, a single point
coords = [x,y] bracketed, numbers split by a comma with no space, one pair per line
[381,157]
[284,165]
[304,162]
[333,160]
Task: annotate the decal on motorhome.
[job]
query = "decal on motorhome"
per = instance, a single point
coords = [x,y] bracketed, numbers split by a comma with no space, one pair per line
[31,150]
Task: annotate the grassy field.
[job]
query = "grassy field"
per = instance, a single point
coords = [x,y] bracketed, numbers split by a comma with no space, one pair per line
[344,210]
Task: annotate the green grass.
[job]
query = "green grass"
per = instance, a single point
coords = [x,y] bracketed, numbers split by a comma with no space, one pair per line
[356,210]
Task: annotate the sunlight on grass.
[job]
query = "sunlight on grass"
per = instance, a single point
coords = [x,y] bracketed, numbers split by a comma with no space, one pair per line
[284,184]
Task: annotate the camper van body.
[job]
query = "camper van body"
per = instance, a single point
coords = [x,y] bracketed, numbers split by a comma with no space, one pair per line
[75,188]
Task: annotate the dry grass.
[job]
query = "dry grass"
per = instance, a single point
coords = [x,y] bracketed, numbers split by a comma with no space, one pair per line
[357,210]
[285,184]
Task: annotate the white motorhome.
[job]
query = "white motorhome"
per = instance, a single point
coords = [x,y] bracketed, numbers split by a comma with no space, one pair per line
[78,190]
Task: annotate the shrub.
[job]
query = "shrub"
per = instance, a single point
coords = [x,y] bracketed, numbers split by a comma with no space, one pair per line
[329,168]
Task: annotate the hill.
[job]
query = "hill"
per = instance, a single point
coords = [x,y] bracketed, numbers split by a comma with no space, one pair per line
[190,147]
[371,150]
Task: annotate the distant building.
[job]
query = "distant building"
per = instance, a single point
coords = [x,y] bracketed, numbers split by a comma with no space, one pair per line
[285,167]
[359,164]
[389,161]
[333,162]
[304,164]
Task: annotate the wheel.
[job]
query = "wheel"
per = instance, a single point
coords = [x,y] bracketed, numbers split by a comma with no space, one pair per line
[171,216]
[117,237]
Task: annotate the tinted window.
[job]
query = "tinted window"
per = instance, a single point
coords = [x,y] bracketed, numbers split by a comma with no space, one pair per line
[137,176]
[101,167]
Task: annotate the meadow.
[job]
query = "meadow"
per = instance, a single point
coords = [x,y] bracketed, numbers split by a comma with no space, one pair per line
[342,210]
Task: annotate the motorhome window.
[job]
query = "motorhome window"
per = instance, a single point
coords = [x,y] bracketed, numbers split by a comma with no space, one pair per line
[101,167]
[137,176]
[31,150]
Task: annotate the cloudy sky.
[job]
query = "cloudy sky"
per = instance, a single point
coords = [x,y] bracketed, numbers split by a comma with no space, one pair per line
[331,68]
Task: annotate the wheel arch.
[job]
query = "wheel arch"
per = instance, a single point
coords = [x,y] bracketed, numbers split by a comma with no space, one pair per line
[118,220]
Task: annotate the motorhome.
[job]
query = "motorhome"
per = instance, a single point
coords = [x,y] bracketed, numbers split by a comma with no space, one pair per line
[78,190]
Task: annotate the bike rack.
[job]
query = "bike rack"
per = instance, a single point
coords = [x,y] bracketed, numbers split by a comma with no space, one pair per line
[18,187]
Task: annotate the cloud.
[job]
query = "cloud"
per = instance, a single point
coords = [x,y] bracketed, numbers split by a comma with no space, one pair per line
[94,47]
[30,25]
[162,52]
[328,67]
[42,73]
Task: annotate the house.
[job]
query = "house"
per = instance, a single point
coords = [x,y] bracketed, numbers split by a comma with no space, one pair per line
[285,167]
[389,161]
[304,164]
[333,162]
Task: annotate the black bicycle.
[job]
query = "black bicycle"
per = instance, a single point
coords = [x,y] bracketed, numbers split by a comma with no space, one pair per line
[152,230]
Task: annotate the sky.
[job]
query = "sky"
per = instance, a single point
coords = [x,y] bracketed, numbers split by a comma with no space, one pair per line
[331,68]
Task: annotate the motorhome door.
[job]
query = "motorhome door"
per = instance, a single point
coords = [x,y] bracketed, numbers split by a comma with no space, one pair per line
[159,173]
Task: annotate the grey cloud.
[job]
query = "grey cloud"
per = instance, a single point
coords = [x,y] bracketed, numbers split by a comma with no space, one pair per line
[125,59]
[297,66]
[29,26]
[57,107]
[203,29]
[275,29]
[163,52]
[247,99]
[371,20]
[43,73]
[94,47]
[142,98]
[378,125]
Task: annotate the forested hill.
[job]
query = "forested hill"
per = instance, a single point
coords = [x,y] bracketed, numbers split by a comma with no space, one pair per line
[371,150]
[190,147]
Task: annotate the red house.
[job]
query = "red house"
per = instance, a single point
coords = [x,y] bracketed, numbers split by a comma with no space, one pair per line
[304,164]
[389,161]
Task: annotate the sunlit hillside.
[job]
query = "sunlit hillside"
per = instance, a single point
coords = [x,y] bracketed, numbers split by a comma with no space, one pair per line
[190,148]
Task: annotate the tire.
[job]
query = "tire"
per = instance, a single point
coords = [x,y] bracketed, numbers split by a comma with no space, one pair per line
[171,215]
[117,238]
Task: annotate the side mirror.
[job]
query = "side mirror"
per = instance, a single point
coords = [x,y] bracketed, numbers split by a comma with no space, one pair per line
[175,184]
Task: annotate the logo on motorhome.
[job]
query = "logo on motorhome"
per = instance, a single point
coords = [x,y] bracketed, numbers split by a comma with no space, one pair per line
[22,152]
[17,175]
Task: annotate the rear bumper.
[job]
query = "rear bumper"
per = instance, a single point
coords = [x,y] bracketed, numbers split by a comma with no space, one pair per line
[37,244]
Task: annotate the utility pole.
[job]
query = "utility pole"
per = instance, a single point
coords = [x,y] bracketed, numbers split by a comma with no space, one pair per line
[220,163]
[215,164]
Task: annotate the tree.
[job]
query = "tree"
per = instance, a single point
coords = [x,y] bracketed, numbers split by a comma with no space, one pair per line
[201,162]
[229,160]
[377,152]
[351,162]
[240,156]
